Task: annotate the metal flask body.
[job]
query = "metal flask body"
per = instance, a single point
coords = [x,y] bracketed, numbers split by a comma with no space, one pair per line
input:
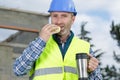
[81,61]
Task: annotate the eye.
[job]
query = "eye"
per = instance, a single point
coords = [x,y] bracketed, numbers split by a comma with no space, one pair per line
[54,15]
[64,15]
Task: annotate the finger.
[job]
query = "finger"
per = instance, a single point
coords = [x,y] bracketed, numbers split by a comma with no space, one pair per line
[92,58]
[93,61]
[45,28]
[92,66]
[51,29]
[89,55]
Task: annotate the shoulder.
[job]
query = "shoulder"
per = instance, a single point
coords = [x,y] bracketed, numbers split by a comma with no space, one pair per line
[75,38]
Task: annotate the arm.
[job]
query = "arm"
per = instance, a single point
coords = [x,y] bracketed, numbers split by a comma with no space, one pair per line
[25,62]
[94,68]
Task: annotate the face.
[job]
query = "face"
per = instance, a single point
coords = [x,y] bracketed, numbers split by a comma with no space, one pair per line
[64,20]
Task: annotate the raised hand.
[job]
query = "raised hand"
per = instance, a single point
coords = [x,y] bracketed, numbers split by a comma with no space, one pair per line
[48,30]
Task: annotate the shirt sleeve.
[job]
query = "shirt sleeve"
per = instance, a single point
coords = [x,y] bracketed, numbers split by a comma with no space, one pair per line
[96,74]
[25,62]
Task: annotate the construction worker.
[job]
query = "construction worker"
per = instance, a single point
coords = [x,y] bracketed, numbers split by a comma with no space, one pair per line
[51,56]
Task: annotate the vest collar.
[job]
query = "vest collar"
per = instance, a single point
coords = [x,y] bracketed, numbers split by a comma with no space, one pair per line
[57,39]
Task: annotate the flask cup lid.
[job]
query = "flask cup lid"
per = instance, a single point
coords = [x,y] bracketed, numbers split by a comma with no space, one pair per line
[81,56]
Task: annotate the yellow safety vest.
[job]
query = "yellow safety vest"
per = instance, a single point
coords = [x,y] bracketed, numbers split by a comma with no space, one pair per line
[51,66]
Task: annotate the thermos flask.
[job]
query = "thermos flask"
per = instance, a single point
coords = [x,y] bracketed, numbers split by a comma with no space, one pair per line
[81,61]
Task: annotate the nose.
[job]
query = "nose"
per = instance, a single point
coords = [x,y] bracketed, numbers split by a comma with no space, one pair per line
[59,21]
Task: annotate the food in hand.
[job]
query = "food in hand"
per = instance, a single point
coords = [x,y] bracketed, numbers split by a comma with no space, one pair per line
[55,29]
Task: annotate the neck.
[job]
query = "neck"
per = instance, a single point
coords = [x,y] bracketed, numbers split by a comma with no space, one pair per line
[64,38]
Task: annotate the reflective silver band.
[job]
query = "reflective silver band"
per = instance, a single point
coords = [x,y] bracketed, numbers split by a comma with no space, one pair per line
[70,69]
[54,70]
[46,71]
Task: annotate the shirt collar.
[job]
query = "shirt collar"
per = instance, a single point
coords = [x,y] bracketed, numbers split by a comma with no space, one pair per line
[56,38]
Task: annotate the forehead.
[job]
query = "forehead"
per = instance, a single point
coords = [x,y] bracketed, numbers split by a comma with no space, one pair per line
[60,13]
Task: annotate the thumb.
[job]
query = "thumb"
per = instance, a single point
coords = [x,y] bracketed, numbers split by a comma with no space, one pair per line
[90,56]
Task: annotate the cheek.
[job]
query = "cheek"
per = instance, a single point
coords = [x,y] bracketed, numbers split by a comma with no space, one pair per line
[52,21]
[69,24]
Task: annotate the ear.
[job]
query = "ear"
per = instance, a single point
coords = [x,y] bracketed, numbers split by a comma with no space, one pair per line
[73,19]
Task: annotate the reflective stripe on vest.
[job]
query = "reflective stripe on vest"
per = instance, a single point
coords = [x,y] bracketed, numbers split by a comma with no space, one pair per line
[70,69]
[55,70]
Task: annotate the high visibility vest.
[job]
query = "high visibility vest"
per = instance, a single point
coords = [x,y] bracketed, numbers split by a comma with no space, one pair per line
[51,66]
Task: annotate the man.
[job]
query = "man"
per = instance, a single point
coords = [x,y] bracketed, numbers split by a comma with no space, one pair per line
[52,55]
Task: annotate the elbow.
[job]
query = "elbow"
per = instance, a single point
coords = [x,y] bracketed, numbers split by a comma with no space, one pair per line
[17,71]
[17,74]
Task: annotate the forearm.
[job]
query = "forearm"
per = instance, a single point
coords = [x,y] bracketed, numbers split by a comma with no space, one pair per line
[25,62]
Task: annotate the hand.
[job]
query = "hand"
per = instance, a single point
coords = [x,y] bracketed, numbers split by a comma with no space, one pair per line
[92,63]
[47,31]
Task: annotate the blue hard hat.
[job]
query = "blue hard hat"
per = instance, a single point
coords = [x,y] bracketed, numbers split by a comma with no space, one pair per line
[62,6]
